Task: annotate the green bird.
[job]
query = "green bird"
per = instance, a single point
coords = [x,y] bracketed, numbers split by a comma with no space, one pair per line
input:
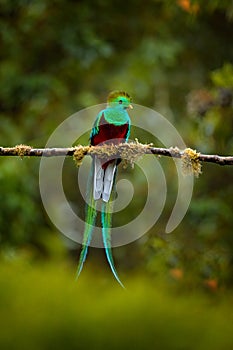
[112,126]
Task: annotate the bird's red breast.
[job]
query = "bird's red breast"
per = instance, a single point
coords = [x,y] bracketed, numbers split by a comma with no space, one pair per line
[109,133]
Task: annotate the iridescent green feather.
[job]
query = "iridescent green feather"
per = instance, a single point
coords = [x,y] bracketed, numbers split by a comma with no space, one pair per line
[106,218]
[90,219]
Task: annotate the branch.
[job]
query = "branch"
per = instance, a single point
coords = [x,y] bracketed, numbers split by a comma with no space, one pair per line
[209,158]
[128,151]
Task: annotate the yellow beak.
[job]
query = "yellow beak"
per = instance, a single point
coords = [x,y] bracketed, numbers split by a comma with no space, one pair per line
[130,107]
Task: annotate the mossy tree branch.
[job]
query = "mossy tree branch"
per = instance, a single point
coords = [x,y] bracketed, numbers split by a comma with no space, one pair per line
[129,151]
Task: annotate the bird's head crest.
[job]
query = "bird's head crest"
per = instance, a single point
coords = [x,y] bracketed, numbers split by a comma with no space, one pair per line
[120,98]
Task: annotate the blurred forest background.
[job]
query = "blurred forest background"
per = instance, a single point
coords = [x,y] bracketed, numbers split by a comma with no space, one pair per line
[58,57]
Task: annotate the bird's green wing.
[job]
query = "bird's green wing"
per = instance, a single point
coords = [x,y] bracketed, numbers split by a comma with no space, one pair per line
[95,128]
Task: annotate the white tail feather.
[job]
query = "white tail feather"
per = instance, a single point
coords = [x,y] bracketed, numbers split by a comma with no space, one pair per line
[98,179]
[108,181]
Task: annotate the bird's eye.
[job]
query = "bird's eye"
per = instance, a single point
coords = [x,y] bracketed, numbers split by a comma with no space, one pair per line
[120,102]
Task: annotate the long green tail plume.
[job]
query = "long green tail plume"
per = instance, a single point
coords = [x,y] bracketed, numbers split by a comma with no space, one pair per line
[106,218]
[90,219]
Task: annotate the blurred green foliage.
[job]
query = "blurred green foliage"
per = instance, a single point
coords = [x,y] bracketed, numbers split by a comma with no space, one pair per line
[58,57]
[42,309]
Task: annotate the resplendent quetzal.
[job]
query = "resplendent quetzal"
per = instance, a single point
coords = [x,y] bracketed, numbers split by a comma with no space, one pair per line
[112,126]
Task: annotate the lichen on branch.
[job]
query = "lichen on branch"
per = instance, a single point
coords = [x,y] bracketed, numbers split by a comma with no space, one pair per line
[79,154]
[131,152]
[191,162]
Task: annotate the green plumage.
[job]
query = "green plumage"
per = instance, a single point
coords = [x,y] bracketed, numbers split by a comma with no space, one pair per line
[112,125]
[106,219]
[90,220]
